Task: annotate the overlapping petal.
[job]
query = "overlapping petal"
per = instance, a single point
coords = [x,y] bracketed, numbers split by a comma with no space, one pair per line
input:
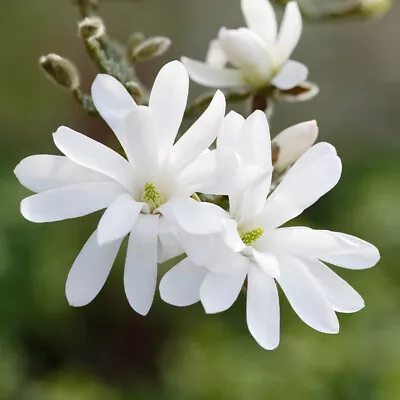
[291,74]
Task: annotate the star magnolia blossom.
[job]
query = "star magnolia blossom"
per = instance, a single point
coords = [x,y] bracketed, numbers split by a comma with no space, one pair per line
[260,55]
[91,177]
[248,248]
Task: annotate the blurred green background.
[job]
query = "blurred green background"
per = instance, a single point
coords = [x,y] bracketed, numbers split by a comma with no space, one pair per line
[50,351]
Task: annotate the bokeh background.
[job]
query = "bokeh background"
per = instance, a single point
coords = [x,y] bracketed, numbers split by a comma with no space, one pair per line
[50,351]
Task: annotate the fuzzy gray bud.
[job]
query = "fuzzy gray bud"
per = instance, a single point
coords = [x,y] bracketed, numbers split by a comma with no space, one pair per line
[91,28]
[135,90]
[60,71]
[152,47]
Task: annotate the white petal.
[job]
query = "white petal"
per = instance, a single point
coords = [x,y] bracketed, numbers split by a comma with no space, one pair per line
[314,153]
[211,76]
[305,296]
[199,248]
[262,311]
[90,271]
[180,286]
[167,103]
[231,235]
[94,155]
[303,185]
[245,50]
[192,216]
[45,172]
[267,262]
[290,31]
[143,143]
[140,277]
[229,132]
[113,102]
[201,134]
[118,219]
[335,248]
[254,141]
[69,202]
[219,291]
[291,74]
[260,18]
[215,55]
[293,142]
[339,293]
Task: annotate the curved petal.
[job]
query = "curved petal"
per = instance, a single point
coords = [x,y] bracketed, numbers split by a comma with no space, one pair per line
[214,77]
[69,202]
[260,18]
[215,55]
[229,132]
[113,102]
[200,135]
[219,291]
[90,271]
[168,244]
[305,295]
[333,247]
[168,103]
[245,50]
[303,185]
[45,172]
[339,293]
[118,219]
[94,155]
[180,286]
[140,277]
[267,262]
[290,31]
[291,74]
[293,142]
[262,310]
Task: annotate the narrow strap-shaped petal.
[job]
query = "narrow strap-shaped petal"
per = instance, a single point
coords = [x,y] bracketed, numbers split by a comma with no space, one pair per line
[339,293]
[303,185]
[44,172]
[230,129]
[333,247]
[305,295]
[168,243]
[290,31]
[70,201]
[90,271]
[200,135]
[167,103]
[262,309]
[215,55]
[260,18]
[180,286]
[140,277]
[213,77]
[94,155]
[118,219]
[113,102]
[292,74]
[219,291]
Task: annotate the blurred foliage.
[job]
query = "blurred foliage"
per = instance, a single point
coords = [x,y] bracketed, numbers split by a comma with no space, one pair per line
[49,351]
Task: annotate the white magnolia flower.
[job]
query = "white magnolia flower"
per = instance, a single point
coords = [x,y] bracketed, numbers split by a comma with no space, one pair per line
[91,176]
[259,54]
[252,250]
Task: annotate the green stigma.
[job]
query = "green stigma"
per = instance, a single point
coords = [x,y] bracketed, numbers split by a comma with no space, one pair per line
[250,237]
[152,196]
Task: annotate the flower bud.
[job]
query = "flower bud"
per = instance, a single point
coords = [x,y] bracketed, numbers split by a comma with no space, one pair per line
[152,47]
[60,71]
[135,90]
[375,7]
[290,144]
[91,28]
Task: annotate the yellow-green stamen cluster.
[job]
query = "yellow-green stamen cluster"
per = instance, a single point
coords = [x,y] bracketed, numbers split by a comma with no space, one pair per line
[152,196]
[250,237]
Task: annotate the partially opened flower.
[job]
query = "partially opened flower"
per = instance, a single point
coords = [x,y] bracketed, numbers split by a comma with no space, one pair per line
[90,177]
[259,54]
[252,250]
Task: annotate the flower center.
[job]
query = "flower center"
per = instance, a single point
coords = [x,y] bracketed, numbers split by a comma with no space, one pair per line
[251,236]
[152,196]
